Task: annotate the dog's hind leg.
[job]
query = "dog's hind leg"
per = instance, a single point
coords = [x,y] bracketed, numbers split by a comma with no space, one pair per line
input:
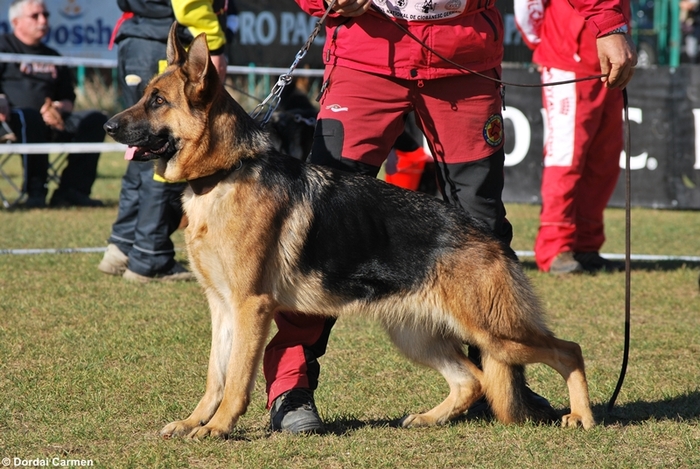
[444,354]
[565,357]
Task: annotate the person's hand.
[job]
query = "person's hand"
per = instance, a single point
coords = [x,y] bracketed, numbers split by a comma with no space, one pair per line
[351,7]
[4,108]
[51,114]
[220,63]
[617,59]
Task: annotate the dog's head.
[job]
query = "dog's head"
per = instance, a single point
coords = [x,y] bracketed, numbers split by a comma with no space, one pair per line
[171,122]
[292,132]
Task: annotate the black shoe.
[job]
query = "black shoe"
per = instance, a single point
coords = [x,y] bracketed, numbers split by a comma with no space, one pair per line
[176,273]
[594,262]
[537,399]
[73,198]
[35,201]
[295,412]
[482,409]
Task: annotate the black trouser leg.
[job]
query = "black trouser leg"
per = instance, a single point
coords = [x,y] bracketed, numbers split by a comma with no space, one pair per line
[81,171]
[477,186]
[29,127]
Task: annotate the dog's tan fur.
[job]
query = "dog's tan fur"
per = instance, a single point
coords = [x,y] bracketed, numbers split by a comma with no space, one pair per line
[247,240]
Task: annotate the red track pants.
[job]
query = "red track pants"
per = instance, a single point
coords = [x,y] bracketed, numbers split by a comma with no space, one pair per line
[584,139]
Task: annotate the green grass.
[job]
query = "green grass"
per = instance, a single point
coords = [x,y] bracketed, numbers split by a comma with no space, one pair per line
[92,367]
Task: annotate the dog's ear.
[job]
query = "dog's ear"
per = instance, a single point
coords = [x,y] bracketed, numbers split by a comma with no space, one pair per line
[175,53]
[202,76]
[198,63]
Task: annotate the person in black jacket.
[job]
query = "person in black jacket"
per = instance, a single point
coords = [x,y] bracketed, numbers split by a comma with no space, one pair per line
[36,100]
[139,247]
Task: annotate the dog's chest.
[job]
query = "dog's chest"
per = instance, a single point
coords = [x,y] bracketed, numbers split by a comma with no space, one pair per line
[231,220]
[211,230]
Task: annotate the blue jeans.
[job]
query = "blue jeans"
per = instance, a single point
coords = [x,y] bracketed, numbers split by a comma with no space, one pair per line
[149,210]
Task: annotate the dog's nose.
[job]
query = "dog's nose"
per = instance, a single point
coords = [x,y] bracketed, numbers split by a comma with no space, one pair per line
[111,126]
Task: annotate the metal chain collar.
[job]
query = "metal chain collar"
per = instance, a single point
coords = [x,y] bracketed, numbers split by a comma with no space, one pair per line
[273,99]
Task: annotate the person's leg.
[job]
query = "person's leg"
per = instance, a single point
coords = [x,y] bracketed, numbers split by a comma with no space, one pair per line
[573,113]
[600,173]
[354,132]
[598,180]
[291,356]
[292,370]
[138,61]
[122,237]
[159,215]
[81,171]
[29,127]
[479,185]
[461,119]
[150,211]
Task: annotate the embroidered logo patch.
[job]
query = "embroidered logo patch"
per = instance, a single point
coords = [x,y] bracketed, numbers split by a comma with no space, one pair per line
[493,130]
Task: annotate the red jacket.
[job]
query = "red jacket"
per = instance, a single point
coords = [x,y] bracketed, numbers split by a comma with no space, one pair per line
[469,32]
[559,36]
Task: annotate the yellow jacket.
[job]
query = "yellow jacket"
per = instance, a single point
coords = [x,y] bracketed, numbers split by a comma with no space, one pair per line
[202,16]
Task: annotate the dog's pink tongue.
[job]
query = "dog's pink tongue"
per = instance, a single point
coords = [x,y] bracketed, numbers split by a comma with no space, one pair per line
[129,155]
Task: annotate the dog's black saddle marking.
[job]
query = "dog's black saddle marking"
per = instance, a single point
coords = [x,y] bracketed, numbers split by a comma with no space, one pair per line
[367,239]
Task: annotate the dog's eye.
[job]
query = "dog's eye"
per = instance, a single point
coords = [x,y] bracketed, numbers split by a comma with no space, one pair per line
[159,100]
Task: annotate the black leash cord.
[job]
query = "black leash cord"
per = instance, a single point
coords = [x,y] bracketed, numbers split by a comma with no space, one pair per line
[628,230]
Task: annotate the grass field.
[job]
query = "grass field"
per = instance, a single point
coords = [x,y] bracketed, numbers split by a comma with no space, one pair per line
[91,367]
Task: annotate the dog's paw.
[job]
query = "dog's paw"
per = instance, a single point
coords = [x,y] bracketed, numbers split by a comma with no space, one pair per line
[575,420]
[176,429]
[417,420]
[206,431]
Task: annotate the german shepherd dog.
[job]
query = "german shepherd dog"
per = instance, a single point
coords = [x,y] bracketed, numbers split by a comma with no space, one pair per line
[270,233]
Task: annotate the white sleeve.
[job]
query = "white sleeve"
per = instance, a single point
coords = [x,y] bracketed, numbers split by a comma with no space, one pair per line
[529,15]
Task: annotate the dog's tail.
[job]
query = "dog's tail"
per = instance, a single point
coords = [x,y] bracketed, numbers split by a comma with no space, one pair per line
[508,395]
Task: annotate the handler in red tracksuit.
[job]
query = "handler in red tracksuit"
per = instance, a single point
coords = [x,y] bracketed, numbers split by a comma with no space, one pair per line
[584,137]
[376,73]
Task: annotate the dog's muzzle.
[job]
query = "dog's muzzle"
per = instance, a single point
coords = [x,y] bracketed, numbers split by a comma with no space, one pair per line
[142,145]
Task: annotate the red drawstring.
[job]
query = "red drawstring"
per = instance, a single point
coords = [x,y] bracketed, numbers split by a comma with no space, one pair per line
[125,16]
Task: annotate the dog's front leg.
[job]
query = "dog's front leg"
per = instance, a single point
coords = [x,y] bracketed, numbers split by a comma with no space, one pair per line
[222,321]
[251,325]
